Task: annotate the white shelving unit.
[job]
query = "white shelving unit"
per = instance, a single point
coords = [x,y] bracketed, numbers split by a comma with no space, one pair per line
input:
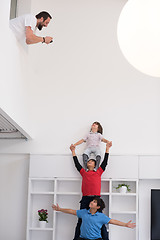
[67,193]
[124,207]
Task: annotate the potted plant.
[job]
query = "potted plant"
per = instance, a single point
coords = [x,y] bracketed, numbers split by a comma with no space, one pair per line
[123,188]
[43,215]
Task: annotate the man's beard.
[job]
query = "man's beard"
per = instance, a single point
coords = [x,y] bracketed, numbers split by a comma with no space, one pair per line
[40,27]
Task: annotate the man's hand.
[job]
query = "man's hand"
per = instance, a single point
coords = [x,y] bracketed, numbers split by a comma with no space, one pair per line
[56,208]
[108,145]
[72,148]
[130,224]
[48,40]
[31,38]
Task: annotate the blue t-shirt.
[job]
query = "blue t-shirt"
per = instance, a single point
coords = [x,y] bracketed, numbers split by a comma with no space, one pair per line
[91,224]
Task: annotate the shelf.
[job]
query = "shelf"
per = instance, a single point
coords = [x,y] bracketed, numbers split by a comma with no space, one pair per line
[104,194]
[124,194]
[68,193]
[43,193]
[41,229]
[132,185]
[105,186]
[68,186]
[42,179]
[42,185]
[69,179]
[123,212]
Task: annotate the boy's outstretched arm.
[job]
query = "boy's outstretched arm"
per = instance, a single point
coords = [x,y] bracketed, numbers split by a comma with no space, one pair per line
[105,161]
[122,224]
[76,162]
[64,210]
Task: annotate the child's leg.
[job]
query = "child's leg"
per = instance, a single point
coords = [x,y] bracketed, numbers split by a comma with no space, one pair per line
[104,232]
[86,154]
[98,159]
[85,160]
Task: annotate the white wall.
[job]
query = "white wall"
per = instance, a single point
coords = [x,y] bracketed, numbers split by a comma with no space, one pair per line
[84,77]
[13,97]
[14,170]
[57,91]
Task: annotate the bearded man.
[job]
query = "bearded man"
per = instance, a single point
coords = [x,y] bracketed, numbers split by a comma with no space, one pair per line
[25,26]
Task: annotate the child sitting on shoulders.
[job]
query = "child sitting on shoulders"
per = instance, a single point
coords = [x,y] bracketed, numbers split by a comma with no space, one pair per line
[93,140]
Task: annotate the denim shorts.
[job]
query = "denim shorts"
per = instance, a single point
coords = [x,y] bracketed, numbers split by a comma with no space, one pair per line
[94,150]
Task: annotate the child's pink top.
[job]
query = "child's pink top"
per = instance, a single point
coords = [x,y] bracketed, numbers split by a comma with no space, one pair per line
[93,139]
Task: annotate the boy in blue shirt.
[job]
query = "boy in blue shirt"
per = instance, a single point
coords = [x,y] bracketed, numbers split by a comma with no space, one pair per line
[93,219]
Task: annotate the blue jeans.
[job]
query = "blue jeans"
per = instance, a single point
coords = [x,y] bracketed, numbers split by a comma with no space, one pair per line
[88,239]
[84,203]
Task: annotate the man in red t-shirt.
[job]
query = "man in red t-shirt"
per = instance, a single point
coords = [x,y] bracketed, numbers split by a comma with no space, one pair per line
[91,185]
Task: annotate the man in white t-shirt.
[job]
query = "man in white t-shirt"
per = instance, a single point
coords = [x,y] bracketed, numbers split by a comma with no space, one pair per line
[24,27]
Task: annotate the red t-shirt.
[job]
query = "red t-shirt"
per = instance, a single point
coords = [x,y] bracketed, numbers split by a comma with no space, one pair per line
[91,182]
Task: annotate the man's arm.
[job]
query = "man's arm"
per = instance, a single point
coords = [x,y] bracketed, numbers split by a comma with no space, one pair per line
[105,161]
[76,162]
[64,210]
[122,224]
[79,142]
[31,38]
